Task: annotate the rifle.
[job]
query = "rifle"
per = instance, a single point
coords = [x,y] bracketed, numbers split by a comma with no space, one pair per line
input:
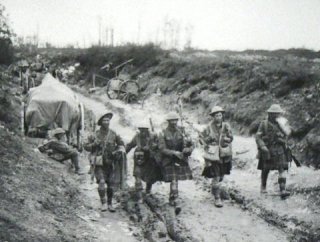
[289,154]
[291,157]
[151,124]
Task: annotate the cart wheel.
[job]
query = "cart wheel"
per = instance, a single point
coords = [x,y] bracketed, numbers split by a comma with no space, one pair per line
[129,91]
[113,88]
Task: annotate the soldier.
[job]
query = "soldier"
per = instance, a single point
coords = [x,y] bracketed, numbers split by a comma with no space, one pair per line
[57,146]
[217,138]
[272,141]
[108,149]
[175,148]
[145,165]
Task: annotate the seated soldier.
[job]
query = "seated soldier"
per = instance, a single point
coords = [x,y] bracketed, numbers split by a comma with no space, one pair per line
[57,146]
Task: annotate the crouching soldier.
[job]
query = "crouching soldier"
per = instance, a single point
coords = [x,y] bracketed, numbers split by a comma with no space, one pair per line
[271,141]
[146,167]
[108,150]
[175,148]
[58,147]
[217,138]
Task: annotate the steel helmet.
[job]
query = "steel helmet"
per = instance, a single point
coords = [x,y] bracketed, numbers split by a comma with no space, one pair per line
[58,131]
[143,125]
[216,109]
[172,116]
[275,108]
[105,115]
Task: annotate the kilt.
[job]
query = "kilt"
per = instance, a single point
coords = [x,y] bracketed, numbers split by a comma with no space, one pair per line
[111,173]
[104,172]
[218,169]
[278,160]
[149,171]
[176,170]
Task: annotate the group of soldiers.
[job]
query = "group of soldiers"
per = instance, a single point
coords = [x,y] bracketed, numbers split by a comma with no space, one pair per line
[165,156]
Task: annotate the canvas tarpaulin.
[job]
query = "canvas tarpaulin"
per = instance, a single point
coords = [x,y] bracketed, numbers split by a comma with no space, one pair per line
[52,105]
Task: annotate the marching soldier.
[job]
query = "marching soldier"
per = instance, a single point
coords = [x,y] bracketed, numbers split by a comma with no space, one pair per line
[217,138]
[145,165]
[108,149]
[58,146]
[271,140]
[175,148]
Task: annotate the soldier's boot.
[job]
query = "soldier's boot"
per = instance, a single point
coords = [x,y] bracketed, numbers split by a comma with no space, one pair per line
[139,189]
[264,178]
[148,188]
[173,203]
[109,197]
[102,195]
[282,185]
[216,193]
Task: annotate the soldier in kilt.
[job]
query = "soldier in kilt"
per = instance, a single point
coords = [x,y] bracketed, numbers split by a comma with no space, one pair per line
[217,138]
[108,150]
[146,167]
[272,153]
[175,148]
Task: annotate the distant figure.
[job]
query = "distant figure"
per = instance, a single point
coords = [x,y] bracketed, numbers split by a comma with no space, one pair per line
[272,142]
[56,145]
[217,139]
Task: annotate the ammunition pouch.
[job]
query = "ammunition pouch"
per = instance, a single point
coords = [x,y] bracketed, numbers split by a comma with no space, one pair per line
[98,160]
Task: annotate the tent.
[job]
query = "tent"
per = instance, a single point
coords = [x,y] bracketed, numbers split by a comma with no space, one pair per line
[50,105]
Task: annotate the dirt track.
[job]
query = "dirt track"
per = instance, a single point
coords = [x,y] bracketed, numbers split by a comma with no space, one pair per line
[199,219]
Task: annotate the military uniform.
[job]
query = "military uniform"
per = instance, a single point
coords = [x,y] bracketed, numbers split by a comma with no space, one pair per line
[212,135]
[62,149]
[272,153]
[110,165]
[145,161]
[174,168]
[270,135]
[217,141]
[172,141]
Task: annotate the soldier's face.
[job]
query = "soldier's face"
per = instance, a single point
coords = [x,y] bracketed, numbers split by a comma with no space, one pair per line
[173,122]
[143,131]
[105,122]
[60,136]
[217,117]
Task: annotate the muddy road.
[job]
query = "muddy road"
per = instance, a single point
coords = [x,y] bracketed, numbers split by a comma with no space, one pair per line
[199,220]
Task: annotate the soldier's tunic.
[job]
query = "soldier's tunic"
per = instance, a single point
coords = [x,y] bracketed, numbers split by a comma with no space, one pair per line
[104,144]
[145,162]
[270,135]
[172,167]
[212,135]
[62,151]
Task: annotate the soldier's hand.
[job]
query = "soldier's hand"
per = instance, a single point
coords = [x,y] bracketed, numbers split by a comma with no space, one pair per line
[226,139]
[178,154]
[281,141]
[187,151]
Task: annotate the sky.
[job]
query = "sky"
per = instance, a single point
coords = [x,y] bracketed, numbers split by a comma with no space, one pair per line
[205,24]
